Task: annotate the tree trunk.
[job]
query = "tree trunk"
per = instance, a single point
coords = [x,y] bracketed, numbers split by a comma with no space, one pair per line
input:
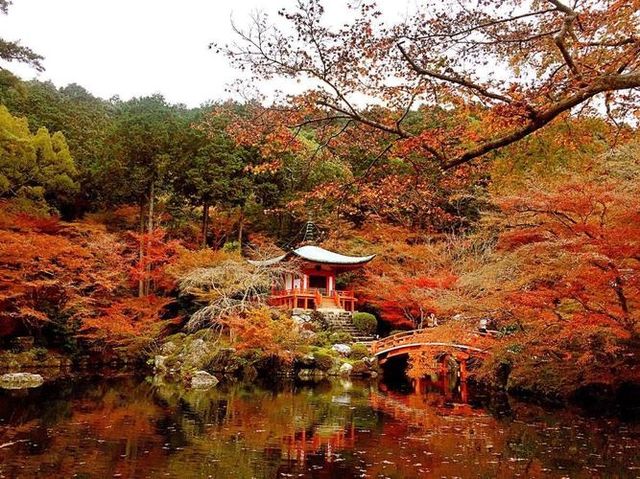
[240,229]
[141,251]
[149,231]
[205,224]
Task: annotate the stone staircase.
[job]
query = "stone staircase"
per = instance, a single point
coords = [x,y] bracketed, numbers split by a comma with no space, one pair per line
[340,321]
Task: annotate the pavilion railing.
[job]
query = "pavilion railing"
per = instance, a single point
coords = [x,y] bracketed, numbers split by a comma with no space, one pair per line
[336,299]
[348,294]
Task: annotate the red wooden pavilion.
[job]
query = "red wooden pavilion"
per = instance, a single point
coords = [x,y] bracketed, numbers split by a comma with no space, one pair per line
[315,286]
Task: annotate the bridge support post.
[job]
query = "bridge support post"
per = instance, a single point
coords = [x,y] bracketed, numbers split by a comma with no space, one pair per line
[463,370]
[417,385]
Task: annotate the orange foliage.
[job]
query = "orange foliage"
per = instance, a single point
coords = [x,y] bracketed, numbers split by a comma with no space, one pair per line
[590,235]
[266,331]
[126,319]
[158,253]
[74,276]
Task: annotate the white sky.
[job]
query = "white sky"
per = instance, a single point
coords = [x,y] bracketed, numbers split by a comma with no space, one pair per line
[139,47]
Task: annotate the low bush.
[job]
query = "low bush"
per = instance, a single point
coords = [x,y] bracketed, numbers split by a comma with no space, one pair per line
[365,323]
[359,351]
[340,338]
[323,361]
[322,339]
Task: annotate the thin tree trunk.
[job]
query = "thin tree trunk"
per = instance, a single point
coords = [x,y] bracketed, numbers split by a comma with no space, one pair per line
[141,251]
[205,224]
[240,229]
[149,231]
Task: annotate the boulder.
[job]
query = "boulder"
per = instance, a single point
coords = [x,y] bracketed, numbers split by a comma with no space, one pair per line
[203,380]
[159,363]
[168,348]
[197,354]
[301,318]
[343,349]
[360,369]
[345,369]
[307,361]
[20,380]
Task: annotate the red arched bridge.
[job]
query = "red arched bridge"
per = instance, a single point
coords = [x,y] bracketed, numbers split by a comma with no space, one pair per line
[418,340]
[421,341]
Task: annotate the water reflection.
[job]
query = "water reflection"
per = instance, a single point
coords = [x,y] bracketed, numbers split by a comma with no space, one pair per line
[132,427]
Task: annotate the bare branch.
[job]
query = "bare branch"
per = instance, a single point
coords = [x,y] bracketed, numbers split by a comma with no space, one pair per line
[452,78]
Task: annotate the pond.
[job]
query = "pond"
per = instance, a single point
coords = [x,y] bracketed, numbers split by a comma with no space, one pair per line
[127,426]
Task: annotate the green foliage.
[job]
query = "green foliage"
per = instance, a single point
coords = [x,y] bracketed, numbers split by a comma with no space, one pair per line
[322,339]
[11,51]
[231,247]
[341,337]
[212,173]
[359,351]
[33,166]
[324,361]
[146,134]
[365,322]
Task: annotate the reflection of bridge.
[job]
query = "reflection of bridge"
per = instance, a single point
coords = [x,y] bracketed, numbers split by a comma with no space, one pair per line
[417,410]
[420,341]
[329,438]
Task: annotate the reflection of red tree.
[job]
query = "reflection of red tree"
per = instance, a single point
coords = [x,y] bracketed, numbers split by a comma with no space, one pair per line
[106,435]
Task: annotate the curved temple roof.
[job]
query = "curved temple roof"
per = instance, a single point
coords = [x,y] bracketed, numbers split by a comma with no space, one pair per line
[316,254]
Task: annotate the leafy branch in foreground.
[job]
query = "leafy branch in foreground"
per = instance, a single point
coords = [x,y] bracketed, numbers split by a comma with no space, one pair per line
[494,72]
[13,51]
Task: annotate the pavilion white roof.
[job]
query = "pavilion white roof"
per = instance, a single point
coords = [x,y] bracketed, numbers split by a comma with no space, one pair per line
[317,254]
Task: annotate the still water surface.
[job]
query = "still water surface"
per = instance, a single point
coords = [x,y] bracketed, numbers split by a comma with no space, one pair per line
[131,427]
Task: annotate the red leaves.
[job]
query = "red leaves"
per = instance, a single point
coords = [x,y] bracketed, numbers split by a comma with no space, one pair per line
[125,319]
[580,241]
[157,254]
[260,330]
[59,272]
[406,301]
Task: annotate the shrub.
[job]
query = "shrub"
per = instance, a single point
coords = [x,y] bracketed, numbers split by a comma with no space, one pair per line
[359,351]
[322,338]
[340,338]
[324,361]
[40,353]
[359,369]
[319,319]
[365,322]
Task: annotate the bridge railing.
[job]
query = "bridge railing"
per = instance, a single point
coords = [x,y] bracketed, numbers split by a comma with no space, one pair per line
[394,340]
[413,338]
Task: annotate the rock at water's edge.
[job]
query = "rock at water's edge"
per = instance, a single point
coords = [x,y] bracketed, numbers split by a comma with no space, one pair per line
[345,369]
[20,380]
[203,380]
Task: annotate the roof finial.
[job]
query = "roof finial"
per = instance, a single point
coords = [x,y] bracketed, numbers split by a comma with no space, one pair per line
[311,233]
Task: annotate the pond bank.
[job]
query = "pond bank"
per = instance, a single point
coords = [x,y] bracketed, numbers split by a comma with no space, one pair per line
[180,357]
